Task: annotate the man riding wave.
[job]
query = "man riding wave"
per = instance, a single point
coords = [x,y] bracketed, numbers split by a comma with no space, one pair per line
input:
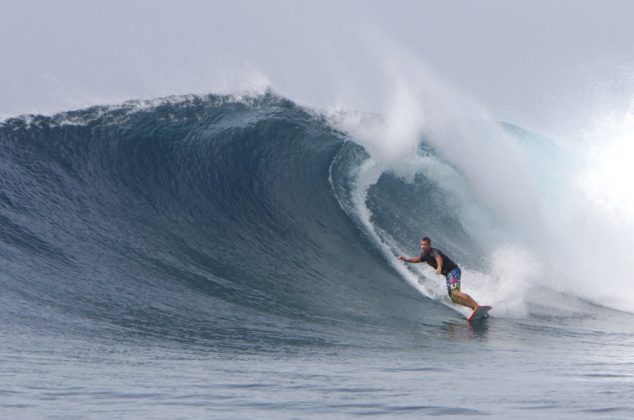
[445,266]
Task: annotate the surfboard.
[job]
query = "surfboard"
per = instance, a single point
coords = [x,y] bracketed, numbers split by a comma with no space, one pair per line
[480,312]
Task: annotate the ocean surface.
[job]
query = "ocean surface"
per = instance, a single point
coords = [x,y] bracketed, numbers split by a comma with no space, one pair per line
[234,257]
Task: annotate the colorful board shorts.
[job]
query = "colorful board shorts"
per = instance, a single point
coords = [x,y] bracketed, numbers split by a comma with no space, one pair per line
[453,280]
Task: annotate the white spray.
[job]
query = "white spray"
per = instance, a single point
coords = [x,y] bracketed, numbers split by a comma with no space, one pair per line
[542,221]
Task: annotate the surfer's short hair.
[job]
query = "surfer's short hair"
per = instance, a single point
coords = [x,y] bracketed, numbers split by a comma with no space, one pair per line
[425,238]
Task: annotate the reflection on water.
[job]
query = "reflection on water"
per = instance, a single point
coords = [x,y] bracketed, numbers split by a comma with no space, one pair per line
[457,330]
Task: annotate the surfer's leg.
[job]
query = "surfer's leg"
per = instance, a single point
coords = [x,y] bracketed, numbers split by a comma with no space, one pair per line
[453,288]
[463,299]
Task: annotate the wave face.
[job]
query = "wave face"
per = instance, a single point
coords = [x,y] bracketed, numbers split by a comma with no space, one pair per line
[251,221]
[194,217]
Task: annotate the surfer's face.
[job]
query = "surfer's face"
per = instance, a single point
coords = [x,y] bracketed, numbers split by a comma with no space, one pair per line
[425,247]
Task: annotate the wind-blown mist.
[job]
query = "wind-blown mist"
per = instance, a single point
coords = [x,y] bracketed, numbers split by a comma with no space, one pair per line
[546,215]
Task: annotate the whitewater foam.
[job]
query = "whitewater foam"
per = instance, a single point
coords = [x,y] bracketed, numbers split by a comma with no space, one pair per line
[516,193]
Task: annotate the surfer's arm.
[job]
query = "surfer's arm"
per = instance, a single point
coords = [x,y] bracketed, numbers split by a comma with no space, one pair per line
[409,260]
[439,264]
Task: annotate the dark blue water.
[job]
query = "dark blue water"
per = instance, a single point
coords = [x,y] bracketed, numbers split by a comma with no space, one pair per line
[200,256]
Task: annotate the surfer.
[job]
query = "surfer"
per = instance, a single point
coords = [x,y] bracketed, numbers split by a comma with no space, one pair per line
[445,266]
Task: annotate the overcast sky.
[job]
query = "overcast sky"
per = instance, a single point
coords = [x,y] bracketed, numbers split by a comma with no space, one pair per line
[531,62]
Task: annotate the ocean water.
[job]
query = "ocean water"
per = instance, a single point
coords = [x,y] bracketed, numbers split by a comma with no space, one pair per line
[234,257]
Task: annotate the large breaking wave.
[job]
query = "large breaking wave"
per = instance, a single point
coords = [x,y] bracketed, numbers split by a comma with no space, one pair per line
[250,218]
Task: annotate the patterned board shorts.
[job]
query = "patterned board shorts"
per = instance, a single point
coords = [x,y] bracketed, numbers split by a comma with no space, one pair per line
[453,280]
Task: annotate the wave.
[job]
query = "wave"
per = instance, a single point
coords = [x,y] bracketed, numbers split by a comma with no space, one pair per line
[230,219]
[201,215]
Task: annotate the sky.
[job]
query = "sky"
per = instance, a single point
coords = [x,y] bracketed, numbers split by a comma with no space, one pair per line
[544,65]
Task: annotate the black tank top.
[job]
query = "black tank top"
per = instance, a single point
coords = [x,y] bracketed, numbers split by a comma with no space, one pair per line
[447,263]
